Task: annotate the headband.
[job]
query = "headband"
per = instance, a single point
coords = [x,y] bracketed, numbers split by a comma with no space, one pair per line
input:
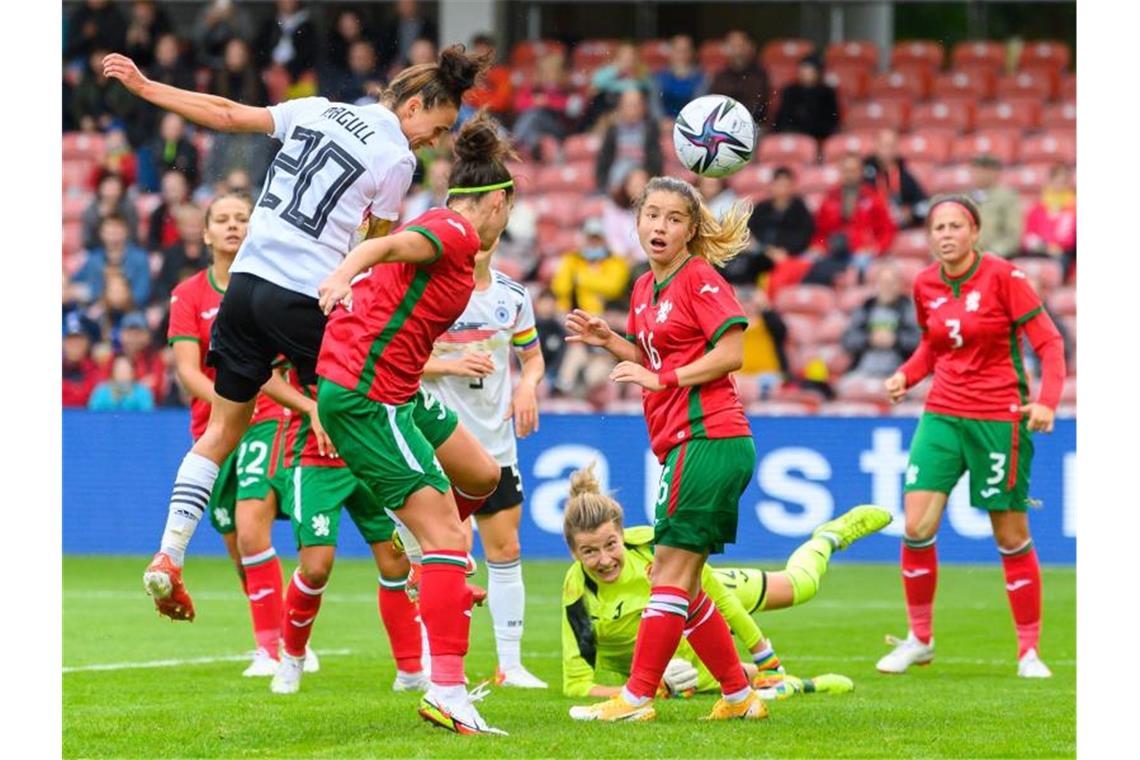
[481,189]
[952,202]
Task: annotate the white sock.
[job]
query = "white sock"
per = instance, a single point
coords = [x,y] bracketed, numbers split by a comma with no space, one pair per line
[188,501]
[506,597]
[737,696]
[631,698]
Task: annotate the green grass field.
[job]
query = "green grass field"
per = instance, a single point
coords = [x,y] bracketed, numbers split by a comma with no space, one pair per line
[968,704]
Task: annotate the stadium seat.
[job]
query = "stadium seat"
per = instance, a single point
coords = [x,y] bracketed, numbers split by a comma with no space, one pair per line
[928,53]
[72,237]
[589,207]
[712,55]
[654,54]
[89,146]
[831,328]
[906,81]
[850,409]
[1026,179]
[817,179]
[908,269]
[853,388]
[1068,87]
[932,147]
[753,178]
[911,244]
[923,172]
[1070,323]
[853,297]
[951,179]
[1051,53]
[856,141]
[549,148]
[1060,115]
[794,393]
[1069,391]
[1017,113]
[1050,147]
[785,51]
[74,204]
[863,52]
[805,299]
[906,408]
[787,148]
[525,175]
[557,243]
[526,53]
[77,174]
[1035,83]
[972,81]
[576,177]
[875,113]
[560,208]
[1063,301]
[997,144]
[802,328]
[979,52]
[813,201]
[1046,271]
[831,354]
[583,147]
[850,80]
[781,408]
[954,115]
[780,74]
[591,54]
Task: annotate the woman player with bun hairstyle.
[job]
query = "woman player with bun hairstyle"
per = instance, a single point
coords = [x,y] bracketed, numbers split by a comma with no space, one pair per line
[338,165]
[683,338]
[399,294]
[973,308]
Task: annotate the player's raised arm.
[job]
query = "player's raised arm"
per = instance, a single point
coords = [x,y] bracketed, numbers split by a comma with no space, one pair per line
[210,111]
[408,247]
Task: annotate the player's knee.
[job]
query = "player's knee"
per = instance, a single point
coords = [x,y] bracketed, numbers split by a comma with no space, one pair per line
[251,542]
[915,530]
[1011,539]
[487,477]
[506,550]
[315,573]
[392,564]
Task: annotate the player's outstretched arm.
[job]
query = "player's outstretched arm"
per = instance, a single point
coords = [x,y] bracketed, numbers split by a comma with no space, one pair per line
[407,247]
[288,396]
[210,111]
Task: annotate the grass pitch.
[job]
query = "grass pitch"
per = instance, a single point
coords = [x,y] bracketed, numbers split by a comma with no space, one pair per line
[135,685]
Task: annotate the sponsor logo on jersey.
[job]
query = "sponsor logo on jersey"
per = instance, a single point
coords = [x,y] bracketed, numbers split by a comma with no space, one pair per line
[260,594]
[916,573]
[320,527]
[989,493]
[706,288]
[663,311]
[1019,583]
[222,518]
[303,623]
[617,612]
[458,226]
[639,309]
[1018,274]
[210,313]
[937,302]
[973,300]
[912,474]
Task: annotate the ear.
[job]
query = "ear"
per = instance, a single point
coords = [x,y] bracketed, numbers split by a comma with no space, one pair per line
[413,105]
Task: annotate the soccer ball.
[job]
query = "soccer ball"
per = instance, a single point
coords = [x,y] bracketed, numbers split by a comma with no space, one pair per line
[714,136]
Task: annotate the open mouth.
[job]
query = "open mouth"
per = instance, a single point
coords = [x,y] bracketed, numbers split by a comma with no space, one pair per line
[657,244]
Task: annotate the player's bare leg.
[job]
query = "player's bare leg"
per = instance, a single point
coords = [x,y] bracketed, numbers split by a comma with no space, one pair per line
[188,500]
[1023,585]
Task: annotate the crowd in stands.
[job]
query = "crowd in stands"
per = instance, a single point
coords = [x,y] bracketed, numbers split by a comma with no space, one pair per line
[851,149]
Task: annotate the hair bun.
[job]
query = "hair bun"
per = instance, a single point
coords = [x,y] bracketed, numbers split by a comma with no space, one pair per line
[459,70]
[584,481]
[479,141]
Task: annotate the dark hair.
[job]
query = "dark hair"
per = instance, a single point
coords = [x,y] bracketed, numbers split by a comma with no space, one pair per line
[481,154]
[959,199]
[238,196]
[436,83]
[483,38]
[783,171]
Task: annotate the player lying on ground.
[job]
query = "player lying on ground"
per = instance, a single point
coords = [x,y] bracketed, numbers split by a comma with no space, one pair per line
[607,589]
[973,308]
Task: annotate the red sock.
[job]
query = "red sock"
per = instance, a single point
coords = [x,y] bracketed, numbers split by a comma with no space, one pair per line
[662,623]
[468,505]
[302,603]
[711,639]
[401,622]
[263,587]
[1023,585]
[445,608]
[920,578]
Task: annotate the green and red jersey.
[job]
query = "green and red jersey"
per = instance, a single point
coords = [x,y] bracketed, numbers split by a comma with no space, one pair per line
[970,338]
[379,346]
[193,306]
[674,323]
[299,444]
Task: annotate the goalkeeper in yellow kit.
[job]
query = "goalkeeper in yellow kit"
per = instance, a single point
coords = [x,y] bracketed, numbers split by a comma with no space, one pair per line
[607,589]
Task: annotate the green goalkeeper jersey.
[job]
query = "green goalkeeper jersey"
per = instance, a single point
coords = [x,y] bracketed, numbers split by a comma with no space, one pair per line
[600,620]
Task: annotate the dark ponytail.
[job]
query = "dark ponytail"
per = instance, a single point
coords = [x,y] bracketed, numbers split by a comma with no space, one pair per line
[481,153]
[443,82]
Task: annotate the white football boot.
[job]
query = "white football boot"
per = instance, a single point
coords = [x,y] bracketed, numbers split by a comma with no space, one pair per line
[411,681]
[287,679]
[458,715]
[312,664]
[906,652]
[262,666]
[519,677]
[1030,666]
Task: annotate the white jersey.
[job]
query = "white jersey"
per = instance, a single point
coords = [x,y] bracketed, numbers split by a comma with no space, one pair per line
[495,319]
[337,164]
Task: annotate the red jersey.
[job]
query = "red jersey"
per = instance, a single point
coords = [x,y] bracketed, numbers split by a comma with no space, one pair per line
[299,445]
[970,325]
[674,323]
[380,345]
[193,305]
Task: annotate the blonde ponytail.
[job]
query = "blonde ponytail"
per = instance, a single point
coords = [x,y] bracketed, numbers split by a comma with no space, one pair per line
[588,508]
[717,240]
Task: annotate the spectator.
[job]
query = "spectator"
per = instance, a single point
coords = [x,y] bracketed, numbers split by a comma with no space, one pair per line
[172,149]
[551,332]
[883,332]
[163,228]
[432,196]
[781,227]
[169,66]
[289,39]
[858,210]
[348,29]
[96,25]
[148,23]
[362,80]
[112,308]
[237,182]
[219,22]
[146,361]
[1051,224]
[186,256]
[609,83]
[719,197]
[631,142]
[682,80]
[422,51]
[743,79]
[765,359]
[1000,208]
[118,160]
[398,35]
[495,92]
[118,252]
[808,105]
[591,277]
[121,393]
[887,173]
[80,372]
[99,103]
[542,107]
[236,78]
[619,218]
[110,200]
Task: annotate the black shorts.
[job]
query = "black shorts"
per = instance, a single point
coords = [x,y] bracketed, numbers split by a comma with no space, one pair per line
[508,494]
[256,323]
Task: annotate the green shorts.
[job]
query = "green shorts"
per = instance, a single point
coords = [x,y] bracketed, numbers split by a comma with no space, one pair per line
[436,420]
[244,475]
[698,496]
[313,497]
[380,443]
[996,453]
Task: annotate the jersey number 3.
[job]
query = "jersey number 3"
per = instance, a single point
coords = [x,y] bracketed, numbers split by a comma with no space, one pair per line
[335,165]
[955,326]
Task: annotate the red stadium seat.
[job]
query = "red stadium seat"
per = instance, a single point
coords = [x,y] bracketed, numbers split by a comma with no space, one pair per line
[852,298]
[952,179]
[787,148]
[831,328]
[780,74]
[805,299]
[928,53]
[558,243]
[1056,147]
[1016,113]
[831,354]
[574,177]
[875,113]
[524,174]
[851,409]
[932,147]
[89,146]
[655,54]
[802,328]
[817,179]
[712,55]
[1051,53]
[853,388]
[1047,272]
[911,244]
[836,147]
[1035,83]
[952,115]
[923,171]
[590,54]
[785,51]
[813,201]
[559,209]
[526,53]
[585,147]
[979,52]
[1060,115]
[77,174]
[972,81]
[1027,179]
[908,269]
[862,52]
[1063,301]
[753,178]
[906,408]
[997,144]
[1068,87]
[74,204]
[781,408]
[72,237]
[850,79]
[1069,391]
[906,81]
[589,207]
